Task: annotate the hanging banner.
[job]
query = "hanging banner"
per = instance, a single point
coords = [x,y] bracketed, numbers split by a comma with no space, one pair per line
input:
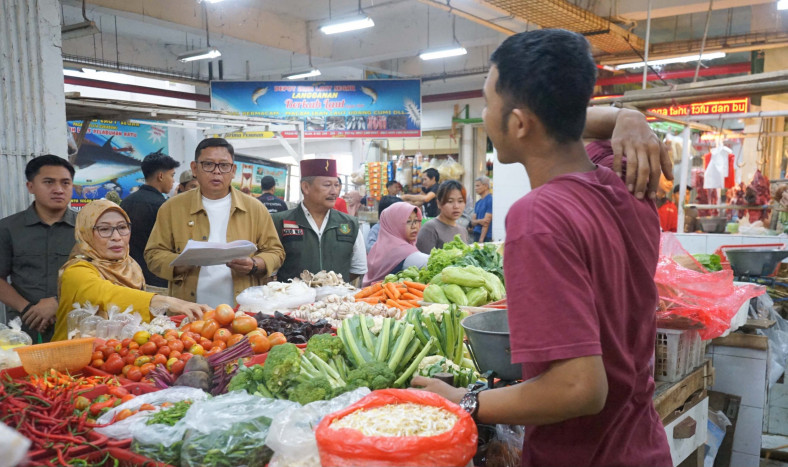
[110,157]
[725,106]
[387,108]
[249,171]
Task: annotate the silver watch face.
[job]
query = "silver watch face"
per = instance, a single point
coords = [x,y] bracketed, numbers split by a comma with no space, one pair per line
[469,402]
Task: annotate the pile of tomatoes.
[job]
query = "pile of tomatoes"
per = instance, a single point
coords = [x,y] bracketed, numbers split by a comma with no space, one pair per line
[220,328]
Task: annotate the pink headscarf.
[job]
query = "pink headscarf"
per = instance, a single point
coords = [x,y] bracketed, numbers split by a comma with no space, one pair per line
[392,246]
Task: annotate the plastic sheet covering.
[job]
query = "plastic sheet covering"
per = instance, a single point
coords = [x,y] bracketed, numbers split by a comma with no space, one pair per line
[687,291]
[346,447]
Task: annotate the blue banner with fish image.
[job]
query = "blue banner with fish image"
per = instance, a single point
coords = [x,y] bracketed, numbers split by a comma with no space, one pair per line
[329,109]
[109,158]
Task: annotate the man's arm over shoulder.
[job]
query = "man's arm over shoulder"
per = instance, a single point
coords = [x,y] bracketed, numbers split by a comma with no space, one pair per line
[160,249]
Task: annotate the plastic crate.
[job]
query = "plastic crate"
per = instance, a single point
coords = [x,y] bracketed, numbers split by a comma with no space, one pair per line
[676,353]
[125,458]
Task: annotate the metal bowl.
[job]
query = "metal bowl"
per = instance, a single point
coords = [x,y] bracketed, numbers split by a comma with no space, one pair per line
[488,336]
[713,224]
[754,261]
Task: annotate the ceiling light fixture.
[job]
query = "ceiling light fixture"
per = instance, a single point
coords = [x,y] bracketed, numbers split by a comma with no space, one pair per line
[782,5]
[303,74]
[353,24]
[667,61]
[211,1]
[443,53]
[453,51]
[200,54]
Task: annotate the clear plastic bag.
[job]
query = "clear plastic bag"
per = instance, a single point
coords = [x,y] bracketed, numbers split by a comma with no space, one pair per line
[338,290]
[230,429]
[14,336]
[9,359]
[275,296]
[292,433]
[688,292]
[13,445]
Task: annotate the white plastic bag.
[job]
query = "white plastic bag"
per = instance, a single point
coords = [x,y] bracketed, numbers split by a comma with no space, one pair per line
[13,445]
[232,427]
[275,296]
[14,336]
[9,359]
[292,435]
[323,292]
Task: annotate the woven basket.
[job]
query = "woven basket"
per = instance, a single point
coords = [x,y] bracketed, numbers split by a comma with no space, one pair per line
[69,356]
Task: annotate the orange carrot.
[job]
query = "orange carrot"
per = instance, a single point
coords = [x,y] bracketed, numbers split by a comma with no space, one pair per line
[380,293]
[410,296]
[415,292]
[396,304]
[370,300]
[367,291]
[392,291]
[415,285]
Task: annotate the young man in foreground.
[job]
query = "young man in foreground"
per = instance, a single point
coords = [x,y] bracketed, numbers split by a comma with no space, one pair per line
[579,285]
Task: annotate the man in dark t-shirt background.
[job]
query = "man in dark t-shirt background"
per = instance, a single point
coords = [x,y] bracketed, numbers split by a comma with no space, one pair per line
[429,197]
[268,198]
[580,286]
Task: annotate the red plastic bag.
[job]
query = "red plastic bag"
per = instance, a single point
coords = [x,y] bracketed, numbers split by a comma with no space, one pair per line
[345,447]
[687,291]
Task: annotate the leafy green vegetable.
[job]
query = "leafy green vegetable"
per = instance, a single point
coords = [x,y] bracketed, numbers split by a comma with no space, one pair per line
[170,416]
[710,262]
[243,444]
[313,389]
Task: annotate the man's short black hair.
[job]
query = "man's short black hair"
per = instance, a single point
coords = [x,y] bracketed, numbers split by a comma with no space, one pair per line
[391,182]
[433,173]
[267,182]
[156,162]
[34,166]
[551,73]
[214,143]
[385,202]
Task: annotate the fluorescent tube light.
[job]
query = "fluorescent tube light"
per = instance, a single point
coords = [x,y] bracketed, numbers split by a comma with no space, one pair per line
[352,24]
[303,74]
[443,53]
[666,61]
[200,54]
[782,5]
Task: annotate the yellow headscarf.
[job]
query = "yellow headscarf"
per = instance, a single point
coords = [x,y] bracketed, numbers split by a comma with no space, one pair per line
[125,271]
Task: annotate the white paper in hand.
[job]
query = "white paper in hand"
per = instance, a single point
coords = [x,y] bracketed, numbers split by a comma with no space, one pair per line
[213,253]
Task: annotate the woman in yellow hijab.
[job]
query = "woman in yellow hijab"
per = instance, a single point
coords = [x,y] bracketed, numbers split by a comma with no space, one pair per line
[100,270]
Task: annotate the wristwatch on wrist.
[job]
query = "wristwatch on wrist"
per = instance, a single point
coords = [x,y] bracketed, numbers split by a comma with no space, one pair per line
[30,305]
[253,271]
[470,402]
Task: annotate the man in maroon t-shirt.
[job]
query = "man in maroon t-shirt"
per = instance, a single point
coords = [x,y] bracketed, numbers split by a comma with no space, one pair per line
[579,262]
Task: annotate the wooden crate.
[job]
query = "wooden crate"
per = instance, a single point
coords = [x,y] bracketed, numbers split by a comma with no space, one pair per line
[670,398]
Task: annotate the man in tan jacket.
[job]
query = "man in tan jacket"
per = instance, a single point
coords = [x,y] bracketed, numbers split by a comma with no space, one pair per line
[214,212]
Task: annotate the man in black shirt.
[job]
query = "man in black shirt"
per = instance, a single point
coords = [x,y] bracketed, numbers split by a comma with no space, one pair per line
[430,189]
[143,205]
[35,243]
[271,201]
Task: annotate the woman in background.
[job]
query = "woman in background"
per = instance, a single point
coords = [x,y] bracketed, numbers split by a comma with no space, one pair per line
[442,229]
[395,249]
[100,270]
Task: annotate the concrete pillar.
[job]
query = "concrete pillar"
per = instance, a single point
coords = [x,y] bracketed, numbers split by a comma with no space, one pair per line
[32,103]
[466,157]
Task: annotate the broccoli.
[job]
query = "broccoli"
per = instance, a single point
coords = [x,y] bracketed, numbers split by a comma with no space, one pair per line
[331,350]
[373,375]
[250,380]
[281,368]
[315,389]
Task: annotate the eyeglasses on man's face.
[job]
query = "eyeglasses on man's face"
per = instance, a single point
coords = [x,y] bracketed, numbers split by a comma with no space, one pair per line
[106,231]
[224,167]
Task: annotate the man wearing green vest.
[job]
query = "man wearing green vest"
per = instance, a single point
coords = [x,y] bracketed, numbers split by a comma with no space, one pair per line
[315,236]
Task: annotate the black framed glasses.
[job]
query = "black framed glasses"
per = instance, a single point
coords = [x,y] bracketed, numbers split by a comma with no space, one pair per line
[224,167]
[106,231]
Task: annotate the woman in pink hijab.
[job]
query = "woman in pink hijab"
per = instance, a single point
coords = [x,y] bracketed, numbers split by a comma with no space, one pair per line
[395,249]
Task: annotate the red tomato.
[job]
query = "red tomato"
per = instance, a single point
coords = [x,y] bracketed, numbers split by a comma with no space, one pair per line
[134,374]
[111,343]
[206,343]
[97,363]
[177,367]
[126,369]
[113,365]
[208,315]
[224,315]
[186,357]
[97,355]
[196,349]
[118,392]
[221,345]
[143,360]
[147,368]
[244,324]
[171,335]
[257,332]
[159,359]
[277,338]
[123,352]
[186,327]
[212,352]
[222,334]
[234,339]
[197,326]
[210,328]
[133,345]
[123,414]
[260,344]
[126,342]
[187,341]
[176,345]
[158,339]
[164,350]
[175,354]
[149,348]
